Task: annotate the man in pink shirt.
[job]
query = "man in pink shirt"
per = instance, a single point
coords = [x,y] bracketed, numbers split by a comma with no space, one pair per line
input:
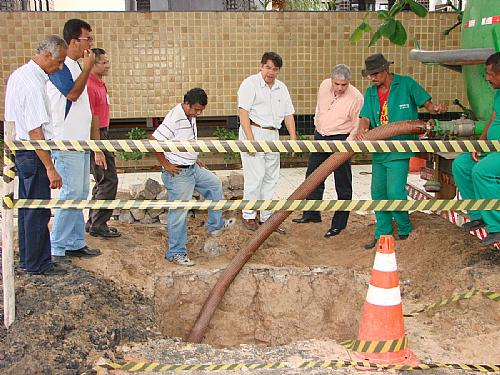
[336,118]
[104,171]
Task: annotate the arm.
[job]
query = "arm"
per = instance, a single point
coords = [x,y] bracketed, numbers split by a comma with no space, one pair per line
[290,125]
[435,109]
[170,168]
[54,178]
[81,82]
[475,154]
[363,127]
[100,159]
[245,123]
[354,117]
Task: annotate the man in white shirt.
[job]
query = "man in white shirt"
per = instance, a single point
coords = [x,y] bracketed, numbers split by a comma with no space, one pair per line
[263,103]
[72,118]
[27,105]
[183,173]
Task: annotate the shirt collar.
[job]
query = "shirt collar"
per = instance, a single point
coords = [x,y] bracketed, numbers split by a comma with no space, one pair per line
[96,80]
[179,113]
[264,84]
[38,70]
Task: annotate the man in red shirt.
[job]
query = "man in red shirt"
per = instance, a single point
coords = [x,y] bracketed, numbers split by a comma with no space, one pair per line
[106,180]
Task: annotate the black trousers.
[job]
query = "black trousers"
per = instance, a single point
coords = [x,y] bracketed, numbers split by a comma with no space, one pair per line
[106,186]
[33,230]
[342,178]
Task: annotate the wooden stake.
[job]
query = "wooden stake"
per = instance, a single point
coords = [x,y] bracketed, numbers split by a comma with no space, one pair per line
[9,299]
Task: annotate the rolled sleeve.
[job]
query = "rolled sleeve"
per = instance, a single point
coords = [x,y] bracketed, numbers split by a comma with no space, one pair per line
[420,96]
[246,95]
[35,112]
[289,109]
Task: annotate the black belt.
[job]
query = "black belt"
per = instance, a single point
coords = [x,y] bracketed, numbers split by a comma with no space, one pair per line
[183,166]
[262,127]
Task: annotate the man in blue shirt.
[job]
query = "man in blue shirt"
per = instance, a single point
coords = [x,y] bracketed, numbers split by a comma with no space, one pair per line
[70,109]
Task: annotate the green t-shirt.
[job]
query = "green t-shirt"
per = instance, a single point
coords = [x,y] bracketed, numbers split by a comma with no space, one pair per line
[405,97]
[494,129]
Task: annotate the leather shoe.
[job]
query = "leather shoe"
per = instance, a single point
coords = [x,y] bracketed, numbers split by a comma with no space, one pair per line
[491,239]
[60,259]
[332,232]
[302,220]
[371,244]
[402,237]
[250,224]
[53,270]
[84,252]
[104,232]
[473,225]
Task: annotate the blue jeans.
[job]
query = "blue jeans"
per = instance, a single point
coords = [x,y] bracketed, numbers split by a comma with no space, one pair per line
[181,187]
[33,230]
[68,229]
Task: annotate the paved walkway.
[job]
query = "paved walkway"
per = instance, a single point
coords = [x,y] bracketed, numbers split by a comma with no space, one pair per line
[290,179]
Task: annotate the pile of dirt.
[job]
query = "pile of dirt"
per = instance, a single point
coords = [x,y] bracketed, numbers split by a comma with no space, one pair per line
[64,324]
[104,306]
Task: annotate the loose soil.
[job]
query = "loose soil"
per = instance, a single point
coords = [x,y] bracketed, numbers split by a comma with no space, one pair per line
[105,306]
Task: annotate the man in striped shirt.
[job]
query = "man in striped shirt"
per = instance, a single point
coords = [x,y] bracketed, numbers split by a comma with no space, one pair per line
[183,173]
[27,105]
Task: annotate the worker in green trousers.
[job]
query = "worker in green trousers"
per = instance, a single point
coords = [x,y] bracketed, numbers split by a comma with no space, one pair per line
[478,175]
[391,98]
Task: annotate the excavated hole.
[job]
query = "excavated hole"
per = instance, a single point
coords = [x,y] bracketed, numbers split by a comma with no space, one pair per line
[264,305]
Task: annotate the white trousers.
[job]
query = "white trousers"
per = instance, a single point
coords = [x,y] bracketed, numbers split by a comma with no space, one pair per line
[261,172]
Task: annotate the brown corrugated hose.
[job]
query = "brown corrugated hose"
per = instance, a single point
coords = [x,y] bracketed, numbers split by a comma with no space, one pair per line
[266,229]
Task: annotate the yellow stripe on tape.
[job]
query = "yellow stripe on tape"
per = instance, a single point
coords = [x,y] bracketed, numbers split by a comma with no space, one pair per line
[295,146]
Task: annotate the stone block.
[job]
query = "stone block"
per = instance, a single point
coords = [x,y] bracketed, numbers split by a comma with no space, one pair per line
[235,181]
[126,217]
[138,214]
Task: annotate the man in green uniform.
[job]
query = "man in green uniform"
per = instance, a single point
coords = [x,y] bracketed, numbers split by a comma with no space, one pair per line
[478,175]
[391,98]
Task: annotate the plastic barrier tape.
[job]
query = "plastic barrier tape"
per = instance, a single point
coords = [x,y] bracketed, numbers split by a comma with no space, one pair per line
[271,205]
[456,297]
[259,146]
[158,367]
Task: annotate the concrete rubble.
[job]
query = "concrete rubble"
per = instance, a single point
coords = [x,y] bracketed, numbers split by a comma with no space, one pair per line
[151,189]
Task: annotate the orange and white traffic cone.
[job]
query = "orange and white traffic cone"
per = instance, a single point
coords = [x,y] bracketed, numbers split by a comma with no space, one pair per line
[382,318]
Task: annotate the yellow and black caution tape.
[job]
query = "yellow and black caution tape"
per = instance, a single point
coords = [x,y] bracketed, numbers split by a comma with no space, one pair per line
[271,205]
[158,367]
[8,201]
[9,174]
[456,297]
[385,346]
[259,146]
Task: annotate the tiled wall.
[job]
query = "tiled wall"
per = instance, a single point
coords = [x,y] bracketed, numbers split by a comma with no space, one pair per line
[156,57]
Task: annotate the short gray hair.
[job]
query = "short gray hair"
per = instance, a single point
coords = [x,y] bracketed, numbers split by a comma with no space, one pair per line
[341,71]
[52,44]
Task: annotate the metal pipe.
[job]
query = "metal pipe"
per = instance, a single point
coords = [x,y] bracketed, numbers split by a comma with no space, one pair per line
[265,230]
[473,56]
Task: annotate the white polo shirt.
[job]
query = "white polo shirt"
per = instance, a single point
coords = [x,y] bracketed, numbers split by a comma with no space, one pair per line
[77,123]
[26,101]
[266,106]
[177,127]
